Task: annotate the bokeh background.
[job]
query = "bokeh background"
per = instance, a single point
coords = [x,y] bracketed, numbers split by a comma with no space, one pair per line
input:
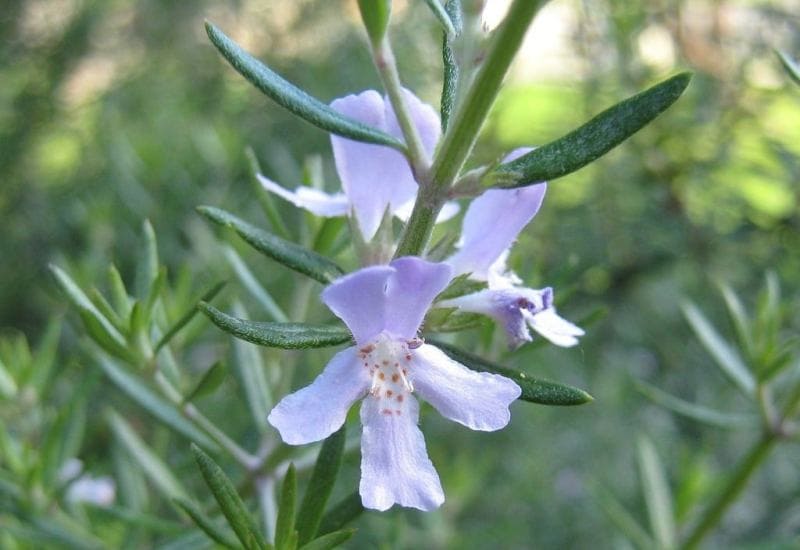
[112,112]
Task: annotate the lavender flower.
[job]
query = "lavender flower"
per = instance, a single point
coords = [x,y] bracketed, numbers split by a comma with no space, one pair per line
[375,178]
[482,254]
[383,306]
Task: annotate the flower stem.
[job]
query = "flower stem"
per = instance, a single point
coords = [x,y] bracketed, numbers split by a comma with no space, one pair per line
[387,69]
[734,487]
[462,132]
[471,113]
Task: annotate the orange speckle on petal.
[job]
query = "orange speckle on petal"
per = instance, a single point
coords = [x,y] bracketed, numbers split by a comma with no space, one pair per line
[400,398]
[389,393]
[387,411]
[381,376]
[395,378]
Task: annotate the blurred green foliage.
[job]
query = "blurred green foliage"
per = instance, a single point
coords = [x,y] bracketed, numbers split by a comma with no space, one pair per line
[113,112]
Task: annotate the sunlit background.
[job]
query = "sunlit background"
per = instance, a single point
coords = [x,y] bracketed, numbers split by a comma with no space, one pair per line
[112,112]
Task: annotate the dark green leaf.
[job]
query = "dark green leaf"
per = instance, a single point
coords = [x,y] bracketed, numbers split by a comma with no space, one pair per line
[289,254]
[188,316]
[592,140]
[341,514]
[230,503]
[792,68]
[375,16]
[320,487]
[294,99]
[278,335]
[285,534]
[443,16]
[210,381]
[543,392]
[331,540]
[204,522]
[136,389]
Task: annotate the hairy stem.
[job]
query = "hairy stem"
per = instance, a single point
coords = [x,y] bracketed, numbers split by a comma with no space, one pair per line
[733,488]
[387,69]
[466,122]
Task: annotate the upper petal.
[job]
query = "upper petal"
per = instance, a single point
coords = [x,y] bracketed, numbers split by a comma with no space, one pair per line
[315,201]
[478,400]
[316,411]
[410,291]
[395,468]
[491,224]
[359,299]
[554,327]
[373,176]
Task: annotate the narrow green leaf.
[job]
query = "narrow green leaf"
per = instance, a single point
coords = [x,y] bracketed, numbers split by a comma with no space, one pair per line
[106,309]
[137,519]
[99,328]
[278,335]
[249,368]
[289,254]
[230,503]
[119,294]
[696,412]
[63,440]
[792,68]
[442,15]
[253,286]
[205,524]
[623,519]
[210,381]
[265,197]
[375,16]
[657,494]
[293,98]
[320,487]
[132,386]
[284,526]
[184,319]
[724,355]
[535,390]
[153,467]
[594,139]
[342,513]
[154,292]
[331,540]
[147,268]
[450,70]
[741,321]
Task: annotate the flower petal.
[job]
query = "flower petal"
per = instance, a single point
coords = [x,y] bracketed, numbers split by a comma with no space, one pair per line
[359,299]
[478,400]
[395,468]
[554,327]
[316,411]
[315,201]
[373,176]
[492,222]
[410,292]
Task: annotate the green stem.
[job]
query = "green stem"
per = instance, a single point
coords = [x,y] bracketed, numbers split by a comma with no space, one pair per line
[463,129]
[735,485]
[387,69]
